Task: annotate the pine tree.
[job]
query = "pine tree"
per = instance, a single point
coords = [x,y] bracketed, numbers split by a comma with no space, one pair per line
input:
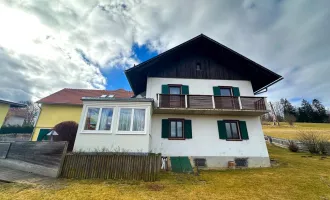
[305,112]
[320,114]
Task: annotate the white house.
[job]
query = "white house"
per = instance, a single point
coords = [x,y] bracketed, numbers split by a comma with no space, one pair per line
[196,100]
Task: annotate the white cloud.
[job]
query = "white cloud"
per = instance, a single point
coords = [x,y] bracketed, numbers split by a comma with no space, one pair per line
[42,39]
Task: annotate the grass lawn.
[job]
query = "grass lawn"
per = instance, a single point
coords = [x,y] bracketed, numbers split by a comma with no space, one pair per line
[287,132]
[295,177]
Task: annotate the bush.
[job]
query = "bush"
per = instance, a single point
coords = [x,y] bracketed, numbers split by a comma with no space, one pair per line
[293,146]
[290,119]
[67,131]
[16,129]
[315,142]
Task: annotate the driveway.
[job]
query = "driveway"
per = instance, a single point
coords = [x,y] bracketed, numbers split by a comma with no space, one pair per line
[12,175]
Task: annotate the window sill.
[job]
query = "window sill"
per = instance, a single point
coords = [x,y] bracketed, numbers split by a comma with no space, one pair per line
[131,133]
[176,138]
[98,132]
[234,140]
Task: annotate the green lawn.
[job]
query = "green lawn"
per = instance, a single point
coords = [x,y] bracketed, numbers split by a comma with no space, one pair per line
[288,132]
[295,177]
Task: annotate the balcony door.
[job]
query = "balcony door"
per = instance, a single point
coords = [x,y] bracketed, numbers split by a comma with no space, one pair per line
[176,97]
[226,99]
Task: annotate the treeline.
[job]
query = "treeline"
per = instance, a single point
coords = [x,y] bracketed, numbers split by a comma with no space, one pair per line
[313,112]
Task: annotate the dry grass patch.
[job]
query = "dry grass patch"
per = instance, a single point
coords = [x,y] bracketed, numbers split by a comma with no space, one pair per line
[295,177]
[286,131]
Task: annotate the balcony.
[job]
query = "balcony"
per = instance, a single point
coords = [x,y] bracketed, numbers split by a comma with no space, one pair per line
[210,104]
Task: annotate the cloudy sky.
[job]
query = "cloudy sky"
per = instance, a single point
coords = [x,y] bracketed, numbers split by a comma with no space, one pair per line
[48,45]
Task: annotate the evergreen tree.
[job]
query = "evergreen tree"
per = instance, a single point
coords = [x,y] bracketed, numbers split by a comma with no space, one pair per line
[288,108]
[305,112]
[320,114]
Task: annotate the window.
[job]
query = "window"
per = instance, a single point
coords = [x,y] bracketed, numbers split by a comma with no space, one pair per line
[131,119]
[232,130]
[98,119]
[91,118]
[226,91]
[175,89]
[176,128]
[106,119]
[198,67]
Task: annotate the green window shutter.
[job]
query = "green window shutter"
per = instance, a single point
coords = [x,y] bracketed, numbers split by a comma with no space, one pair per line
[222,130]
[243,129]
[187,129]
[165,128]
[165,89]
[185,89]
[42,134]
[236,92]
[216,91]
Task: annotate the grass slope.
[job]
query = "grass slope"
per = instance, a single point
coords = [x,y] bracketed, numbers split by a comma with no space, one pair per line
[295,177]
[287,132]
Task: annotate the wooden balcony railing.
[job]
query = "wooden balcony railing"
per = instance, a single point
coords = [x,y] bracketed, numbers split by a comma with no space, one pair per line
[211,102]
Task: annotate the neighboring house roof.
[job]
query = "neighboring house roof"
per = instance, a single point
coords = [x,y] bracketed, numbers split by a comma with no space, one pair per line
[12,104]
[117,99]
[260,77]
[73,96]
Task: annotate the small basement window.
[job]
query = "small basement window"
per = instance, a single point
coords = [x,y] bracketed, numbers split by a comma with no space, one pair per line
[241,162]
[200,162]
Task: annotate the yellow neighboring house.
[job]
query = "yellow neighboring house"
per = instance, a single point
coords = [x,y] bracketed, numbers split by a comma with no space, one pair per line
[66,105]
[4,107]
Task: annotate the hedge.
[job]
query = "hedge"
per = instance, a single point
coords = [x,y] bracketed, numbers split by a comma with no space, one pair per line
[18,129]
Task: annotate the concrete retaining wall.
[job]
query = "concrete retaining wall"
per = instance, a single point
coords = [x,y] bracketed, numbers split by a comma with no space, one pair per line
[44,158]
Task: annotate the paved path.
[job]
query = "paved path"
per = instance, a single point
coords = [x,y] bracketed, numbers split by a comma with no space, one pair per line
[11,175]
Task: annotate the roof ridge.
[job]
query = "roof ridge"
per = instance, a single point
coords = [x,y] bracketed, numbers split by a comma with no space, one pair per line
[94,89]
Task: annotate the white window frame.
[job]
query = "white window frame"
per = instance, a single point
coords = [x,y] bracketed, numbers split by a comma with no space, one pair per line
[132,118]
[98,120]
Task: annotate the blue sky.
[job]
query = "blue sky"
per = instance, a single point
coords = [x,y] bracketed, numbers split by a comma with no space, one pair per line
[116,78]
[88,44]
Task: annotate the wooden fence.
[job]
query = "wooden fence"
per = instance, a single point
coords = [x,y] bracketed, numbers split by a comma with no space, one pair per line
[111,166]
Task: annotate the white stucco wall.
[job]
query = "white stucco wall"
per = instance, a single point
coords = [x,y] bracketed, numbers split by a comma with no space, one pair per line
[114,140]
[205,138]
[196,86]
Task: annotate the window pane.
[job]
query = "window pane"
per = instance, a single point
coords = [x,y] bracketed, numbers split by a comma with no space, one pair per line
[106,119]
[179,129]
[225,92]
[228,130]
[234,128]
[139,119]
[175,90]
[91,118]
[125,119]
[173,129]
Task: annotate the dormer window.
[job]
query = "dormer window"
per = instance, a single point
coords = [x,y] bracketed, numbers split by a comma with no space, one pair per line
[198,67]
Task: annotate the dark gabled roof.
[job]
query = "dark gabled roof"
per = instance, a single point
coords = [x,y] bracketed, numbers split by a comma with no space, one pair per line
[12,104]
[260,77]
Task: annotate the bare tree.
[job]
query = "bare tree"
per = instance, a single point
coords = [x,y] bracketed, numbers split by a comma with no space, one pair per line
[277,112]
[32,111]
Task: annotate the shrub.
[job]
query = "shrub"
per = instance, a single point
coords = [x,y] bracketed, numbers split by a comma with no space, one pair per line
[293,146]
[290,119]
[315,142]
[67,131]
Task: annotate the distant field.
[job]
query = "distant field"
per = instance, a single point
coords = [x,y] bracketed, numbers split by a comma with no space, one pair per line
[288,132]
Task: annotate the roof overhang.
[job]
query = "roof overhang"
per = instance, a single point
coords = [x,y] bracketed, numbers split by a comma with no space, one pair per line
[260,77]
[13,104]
